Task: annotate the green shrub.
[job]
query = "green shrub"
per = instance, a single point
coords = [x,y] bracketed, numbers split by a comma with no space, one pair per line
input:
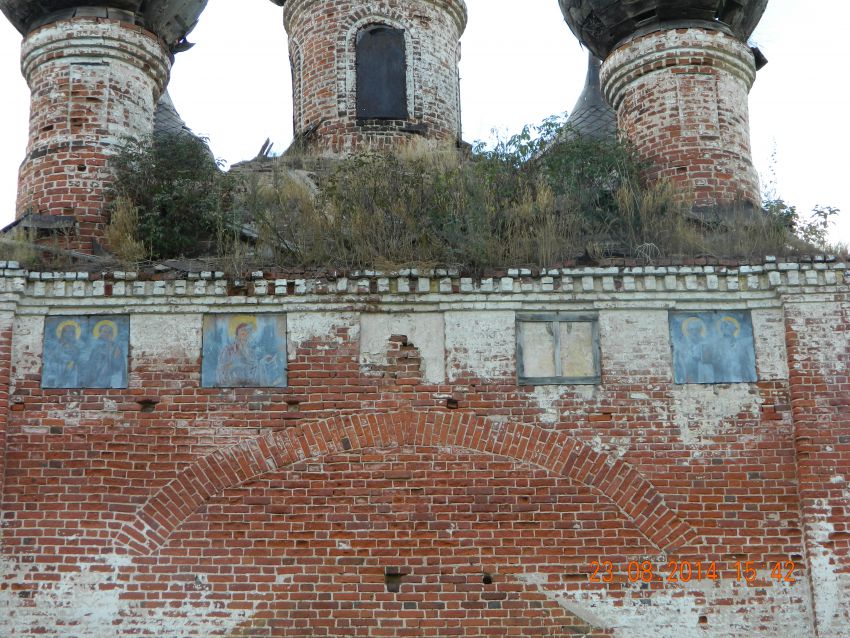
[181,196]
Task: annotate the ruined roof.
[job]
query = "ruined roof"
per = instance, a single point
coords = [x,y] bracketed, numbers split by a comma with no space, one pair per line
[592,117]
[167,120]
[171,20]
[603,24]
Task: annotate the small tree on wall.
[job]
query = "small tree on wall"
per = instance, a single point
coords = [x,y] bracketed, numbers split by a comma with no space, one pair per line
[181,196]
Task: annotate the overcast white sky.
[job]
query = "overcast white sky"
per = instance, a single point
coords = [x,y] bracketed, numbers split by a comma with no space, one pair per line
[520,64]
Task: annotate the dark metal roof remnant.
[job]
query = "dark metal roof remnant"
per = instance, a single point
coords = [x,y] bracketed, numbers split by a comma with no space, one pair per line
[603,24]
[167,120]
[592,116]
[171,20]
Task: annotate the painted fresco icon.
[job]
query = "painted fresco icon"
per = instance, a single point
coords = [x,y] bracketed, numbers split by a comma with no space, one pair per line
[244,351]
[86,352]
[713,347]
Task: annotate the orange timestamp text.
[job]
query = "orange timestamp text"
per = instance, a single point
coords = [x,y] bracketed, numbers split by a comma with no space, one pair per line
[688,571]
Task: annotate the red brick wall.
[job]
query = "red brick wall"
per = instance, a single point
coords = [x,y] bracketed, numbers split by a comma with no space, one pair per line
[190,511]
[93,82]
[5,374]
[819,352]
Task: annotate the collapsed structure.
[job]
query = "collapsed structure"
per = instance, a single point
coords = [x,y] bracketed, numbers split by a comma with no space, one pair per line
[622,450]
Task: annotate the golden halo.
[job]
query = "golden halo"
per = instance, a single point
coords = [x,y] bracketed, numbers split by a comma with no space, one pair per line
[687,322]
[237,320]
[102,324]
[68,322]
[735,323]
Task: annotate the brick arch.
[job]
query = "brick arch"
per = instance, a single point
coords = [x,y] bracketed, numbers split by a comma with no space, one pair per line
[555,452]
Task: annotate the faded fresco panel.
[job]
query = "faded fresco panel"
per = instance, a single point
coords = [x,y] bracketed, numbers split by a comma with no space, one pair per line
[244,351]
[86,352]
[713,347]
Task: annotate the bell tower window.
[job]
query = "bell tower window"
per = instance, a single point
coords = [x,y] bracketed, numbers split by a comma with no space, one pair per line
[381,73]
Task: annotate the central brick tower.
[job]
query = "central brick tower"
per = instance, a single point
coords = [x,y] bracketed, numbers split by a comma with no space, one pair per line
[678,73]
[374,73]
[95,74]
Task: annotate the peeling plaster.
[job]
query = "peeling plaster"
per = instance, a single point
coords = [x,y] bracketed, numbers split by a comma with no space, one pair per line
[426,331]
[832,588]
[705,412]
[769,338]
[616,446]
[829,350]
[319,326]
[169,336]
[635,340]
[27,347]
[88,604]
[729,609]
[481,345]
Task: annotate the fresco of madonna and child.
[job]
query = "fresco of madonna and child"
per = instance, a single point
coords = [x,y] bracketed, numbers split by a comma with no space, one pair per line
[244,351]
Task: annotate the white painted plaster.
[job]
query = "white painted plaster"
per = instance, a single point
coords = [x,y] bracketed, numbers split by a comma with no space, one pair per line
[320,326]
[27,347]
[832,588]
[166,336]
[704,412]
[675,611]
[769,334]
[481,344]
[88,604]
[635,340]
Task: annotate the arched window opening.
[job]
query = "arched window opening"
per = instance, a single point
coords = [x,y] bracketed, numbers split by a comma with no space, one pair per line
[381,73]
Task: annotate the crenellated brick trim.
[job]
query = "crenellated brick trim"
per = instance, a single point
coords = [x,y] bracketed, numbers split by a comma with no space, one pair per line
[606,282]
[555,452]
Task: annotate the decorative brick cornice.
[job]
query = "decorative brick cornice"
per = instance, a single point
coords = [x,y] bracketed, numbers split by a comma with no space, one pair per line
[439,284]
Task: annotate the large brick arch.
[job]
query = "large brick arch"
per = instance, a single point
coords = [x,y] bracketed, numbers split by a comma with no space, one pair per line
[556,452]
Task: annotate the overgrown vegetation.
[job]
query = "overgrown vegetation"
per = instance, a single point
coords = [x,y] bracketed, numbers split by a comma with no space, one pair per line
[173,193]
[538,198]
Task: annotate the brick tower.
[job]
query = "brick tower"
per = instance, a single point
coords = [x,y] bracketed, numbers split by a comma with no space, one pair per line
[95,74]
[374,73]
[678,73]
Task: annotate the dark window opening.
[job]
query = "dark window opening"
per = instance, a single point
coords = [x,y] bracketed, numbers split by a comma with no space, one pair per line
[381,73]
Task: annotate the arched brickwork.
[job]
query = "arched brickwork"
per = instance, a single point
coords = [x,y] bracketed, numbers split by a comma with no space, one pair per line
[555,452]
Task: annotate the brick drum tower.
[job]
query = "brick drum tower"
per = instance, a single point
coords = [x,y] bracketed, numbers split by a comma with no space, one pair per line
[95,73]
[374,73]
[678,73]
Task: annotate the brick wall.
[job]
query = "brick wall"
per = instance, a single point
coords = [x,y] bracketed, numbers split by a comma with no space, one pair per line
[404,456]
[819,351]
[322,37]
[93,82]
[681,98]
[5,374]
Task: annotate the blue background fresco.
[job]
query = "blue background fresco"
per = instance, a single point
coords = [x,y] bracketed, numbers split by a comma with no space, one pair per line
[244,351]
[713,347]
[86,352]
